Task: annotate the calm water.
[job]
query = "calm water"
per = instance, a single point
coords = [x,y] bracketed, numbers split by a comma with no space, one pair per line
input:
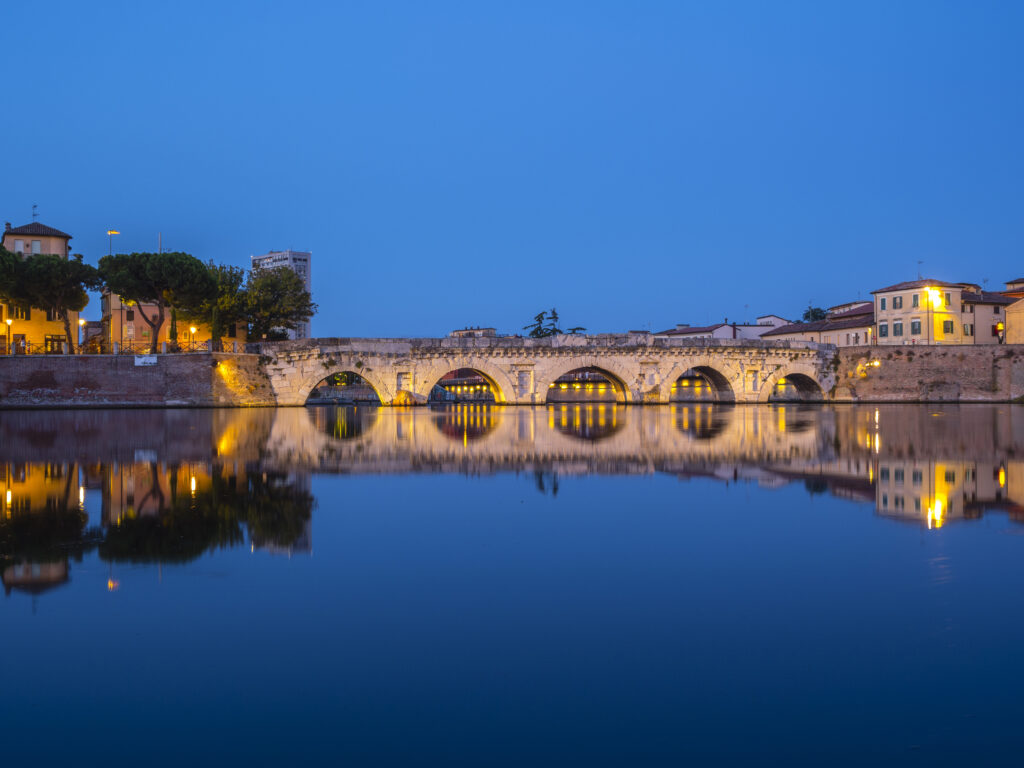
[572,585]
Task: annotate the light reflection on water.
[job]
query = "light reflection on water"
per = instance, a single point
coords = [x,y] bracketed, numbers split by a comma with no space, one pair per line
[727,533]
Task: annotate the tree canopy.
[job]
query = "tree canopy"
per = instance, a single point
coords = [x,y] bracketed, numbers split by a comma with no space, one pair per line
[813,314]
[171,279]
[61,284]
[226,306]
[546,324]
[276,300]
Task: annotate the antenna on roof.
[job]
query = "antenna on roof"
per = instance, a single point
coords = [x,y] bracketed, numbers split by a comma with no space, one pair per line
[919,263]
[34,214]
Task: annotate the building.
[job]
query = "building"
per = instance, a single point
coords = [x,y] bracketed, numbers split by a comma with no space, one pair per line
[845,325]
[725,329]
[937,312]
[35,329]
[473,333]
[300,262]
[123,325]
[1015,322]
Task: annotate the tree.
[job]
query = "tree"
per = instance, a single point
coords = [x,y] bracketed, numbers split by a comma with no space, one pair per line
[813,314]
[171,279]
[276,300]
[52,281]
[225,307]
[545,324]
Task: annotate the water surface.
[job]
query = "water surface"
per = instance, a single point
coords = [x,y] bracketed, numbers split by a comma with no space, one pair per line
[477,585]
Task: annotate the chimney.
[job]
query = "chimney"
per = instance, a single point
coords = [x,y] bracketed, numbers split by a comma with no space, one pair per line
[7,226]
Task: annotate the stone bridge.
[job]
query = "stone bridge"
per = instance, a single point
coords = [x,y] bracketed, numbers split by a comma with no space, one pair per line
[520,371]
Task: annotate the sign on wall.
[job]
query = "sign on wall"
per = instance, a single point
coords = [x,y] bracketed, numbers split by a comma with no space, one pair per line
[145,359]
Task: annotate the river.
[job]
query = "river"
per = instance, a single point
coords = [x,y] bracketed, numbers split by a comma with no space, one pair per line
[482,585]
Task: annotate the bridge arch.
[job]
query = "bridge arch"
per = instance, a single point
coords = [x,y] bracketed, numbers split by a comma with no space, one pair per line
[616,375]
[374,381]
[498,381]
[721,376]
[797,383]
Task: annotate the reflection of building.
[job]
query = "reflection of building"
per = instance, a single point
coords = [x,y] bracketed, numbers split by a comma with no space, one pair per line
[35,327]
[35,578]
[301,263]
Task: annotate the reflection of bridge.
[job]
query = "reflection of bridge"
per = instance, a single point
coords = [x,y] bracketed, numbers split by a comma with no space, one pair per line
[520,371]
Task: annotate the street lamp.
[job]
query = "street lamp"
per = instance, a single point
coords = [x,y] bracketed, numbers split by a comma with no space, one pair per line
[8,321]
[110,241]
[81,328]
[192,330]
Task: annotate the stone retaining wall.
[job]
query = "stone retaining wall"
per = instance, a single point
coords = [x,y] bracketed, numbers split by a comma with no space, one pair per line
[196,380]
[936,374]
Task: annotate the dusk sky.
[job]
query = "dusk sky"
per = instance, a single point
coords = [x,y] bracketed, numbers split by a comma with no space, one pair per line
[634,164]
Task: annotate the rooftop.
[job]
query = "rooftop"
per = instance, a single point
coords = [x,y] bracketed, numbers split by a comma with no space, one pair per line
[837,323]
[986,297]
[37,229]
[919,284]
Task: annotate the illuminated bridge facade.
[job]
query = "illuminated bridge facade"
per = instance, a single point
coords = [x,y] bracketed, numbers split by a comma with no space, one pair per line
[520,371]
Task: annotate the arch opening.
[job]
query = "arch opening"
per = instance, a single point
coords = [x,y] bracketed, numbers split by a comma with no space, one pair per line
[464,385]
[796,387]
[590,422]
[701,384]
[343,388]
[586,385]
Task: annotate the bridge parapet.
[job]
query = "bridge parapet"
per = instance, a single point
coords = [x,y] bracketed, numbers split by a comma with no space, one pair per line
[520,370]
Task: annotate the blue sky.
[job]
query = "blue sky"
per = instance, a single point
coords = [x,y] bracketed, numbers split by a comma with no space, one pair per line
[635,164]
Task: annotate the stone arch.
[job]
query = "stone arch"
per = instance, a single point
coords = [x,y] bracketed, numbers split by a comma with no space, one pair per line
[371,377]
[724,376]
[610,369]
[498,380]
[803,377]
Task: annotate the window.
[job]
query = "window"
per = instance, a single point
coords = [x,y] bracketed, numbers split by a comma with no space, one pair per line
[915,300]
[995,310]
[949,299]
[51,314]
[129,315]
[897,328]
[882,307]
[897,476]
[950,476]
[968,329]
[915,327]
[847,339]
[916,477]
[233,331]
[19,246]
[885,499]
[917,503]
[883,474]
[37,246]
[883,330]
[970,309]
[995,330]
[22,313]
[947,326]
[897,302]
[53,344]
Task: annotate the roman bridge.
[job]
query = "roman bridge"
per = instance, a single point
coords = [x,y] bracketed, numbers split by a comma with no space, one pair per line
[520,371]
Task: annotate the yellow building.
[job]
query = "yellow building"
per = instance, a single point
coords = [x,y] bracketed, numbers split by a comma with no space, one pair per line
[123,325]
[1015,322]
[34,329]
[936,312]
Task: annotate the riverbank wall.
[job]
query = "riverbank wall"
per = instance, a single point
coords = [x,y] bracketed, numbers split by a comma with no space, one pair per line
[929,374]
[197,380]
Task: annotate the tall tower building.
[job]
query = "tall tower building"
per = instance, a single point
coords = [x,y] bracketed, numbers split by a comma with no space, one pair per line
[301,263]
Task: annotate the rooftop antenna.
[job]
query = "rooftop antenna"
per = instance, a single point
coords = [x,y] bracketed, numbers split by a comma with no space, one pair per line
[919,263]
[34,214]
[160,242]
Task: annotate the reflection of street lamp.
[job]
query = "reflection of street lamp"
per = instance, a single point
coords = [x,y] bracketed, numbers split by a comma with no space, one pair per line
[8,321]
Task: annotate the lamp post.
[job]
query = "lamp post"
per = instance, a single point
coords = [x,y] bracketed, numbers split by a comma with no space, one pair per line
[192,330]
[81,330]
[110,241]
[8,321]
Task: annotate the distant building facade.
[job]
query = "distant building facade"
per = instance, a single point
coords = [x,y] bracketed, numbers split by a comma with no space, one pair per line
[937,312]
[301,263]
[845,325]
[34,328]
[724,330]
[473,333]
